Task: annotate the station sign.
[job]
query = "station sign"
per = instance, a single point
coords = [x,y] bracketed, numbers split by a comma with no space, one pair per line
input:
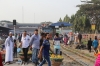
[93,26]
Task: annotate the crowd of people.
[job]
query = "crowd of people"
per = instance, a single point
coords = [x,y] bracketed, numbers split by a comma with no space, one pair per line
[70,39]
[40,46]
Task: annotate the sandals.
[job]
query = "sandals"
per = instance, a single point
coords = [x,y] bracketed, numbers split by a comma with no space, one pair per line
[7,63]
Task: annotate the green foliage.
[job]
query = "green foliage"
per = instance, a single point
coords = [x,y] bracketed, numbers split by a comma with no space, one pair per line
[60,20]
[81,23]
[81,20]
[66,18]
[92,10]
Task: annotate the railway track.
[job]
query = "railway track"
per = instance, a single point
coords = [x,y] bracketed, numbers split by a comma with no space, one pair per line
[79,54]
[79,59]
[68,61]
[77,50]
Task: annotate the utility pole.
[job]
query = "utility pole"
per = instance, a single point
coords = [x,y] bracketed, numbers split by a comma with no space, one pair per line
[14,23]
[22,14]
[34,17]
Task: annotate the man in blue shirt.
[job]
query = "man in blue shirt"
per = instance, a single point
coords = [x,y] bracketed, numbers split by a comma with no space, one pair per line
[95,43]
[35,43]
[45,49]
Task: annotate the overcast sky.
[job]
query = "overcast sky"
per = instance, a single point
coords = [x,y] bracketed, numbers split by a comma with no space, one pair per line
[36,11]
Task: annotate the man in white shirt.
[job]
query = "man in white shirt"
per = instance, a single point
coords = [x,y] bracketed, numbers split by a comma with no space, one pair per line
[13,37]
[25,44]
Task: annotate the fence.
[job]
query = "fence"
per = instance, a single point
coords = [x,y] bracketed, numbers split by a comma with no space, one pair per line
[92,36]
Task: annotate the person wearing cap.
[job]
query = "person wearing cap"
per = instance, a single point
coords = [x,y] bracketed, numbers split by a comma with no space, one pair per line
[35,43]
[9,44]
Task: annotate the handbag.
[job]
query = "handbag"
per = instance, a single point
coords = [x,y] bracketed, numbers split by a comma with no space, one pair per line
[18,50]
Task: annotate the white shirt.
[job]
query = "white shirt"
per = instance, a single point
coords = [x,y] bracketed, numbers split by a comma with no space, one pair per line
[57,42]
[25,41]
[13,37]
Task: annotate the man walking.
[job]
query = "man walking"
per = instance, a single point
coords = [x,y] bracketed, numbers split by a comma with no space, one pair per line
[25,44]
[45,49]
[35,42]
[9,44]
[41,42]
[89,45]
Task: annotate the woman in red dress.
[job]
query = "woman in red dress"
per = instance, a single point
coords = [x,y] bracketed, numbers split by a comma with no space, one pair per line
[1,60]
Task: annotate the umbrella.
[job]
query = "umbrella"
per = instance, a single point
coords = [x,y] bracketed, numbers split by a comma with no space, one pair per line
[60,24]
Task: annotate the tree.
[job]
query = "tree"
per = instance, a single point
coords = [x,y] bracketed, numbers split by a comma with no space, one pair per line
[80,23]
[72,19]
[66,19]
[60,20]
[92,10]
[85,16]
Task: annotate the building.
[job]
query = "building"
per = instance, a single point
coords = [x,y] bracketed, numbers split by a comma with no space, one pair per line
[20,27]
[4,29]
[29,27]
